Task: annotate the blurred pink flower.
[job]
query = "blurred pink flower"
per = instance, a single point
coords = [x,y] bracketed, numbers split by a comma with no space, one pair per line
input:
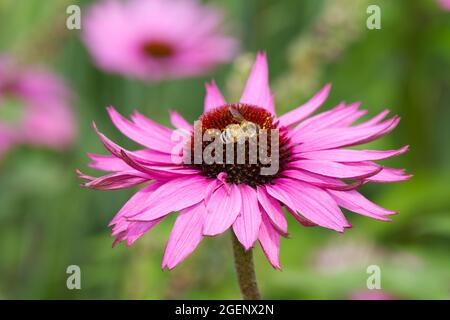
[156,39]
[445,4]
[46,118]
[213,197]
[372,295]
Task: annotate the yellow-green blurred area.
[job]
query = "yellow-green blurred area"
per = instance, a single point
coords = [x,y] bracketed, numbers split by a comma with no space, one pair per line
[48,222]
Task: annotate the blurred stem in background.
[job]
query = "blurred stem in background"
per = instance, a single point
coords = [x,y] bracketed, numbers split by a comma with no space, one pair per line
[337,26]
[46,37]
[418,101]
[238,75]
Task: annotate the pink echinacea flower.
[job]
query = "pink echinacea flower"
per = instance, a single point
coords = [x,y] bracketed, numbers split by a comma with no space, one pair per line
[40,102]
[314,166]
[156,39]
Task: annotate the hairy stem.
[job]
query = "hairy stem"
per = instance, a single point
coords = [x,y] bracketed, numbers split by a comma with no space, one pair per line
[245,270]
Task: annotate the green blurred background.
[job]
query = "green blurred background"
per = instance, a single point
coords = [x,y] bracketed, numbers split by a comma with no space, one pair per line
[48,222]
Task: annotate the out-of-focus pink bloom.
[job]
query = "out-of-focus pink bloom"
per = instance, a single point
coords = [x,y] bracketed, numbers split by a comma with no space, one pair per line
[345,255]
[372,295]
[156,39]
[445,4]
[315,166]
[47,117]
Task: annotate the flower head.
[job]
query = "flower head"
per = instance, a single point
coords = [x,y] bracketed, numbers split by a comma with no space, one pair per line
[37,104]
[156,39]
[222,183]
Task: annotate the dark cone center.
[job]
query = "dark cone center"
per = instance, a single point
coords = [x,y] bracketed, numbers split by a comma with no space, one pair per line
[251,142]
[158,50]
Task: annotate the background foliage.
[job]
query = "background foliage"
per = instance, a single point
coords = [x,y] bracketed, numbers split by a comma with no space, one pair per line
[48,222]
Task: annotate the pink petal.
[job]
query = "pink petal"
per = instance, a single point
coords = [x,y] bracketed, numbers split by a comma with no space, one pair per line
[149,126]
[222,209]
[317,122]
[303,221]
[142,164]
[273,209]
[356,202]
[185,236]
[269,239]
[146,138]
[390,175]
[246,226]
[112,163]
[338,170]
[137,229]
[320,181]
[351,118]
[342,155]
[174,195]
[343,137]
[139,163]
[375,120]
[136,203]
[302,112]
[338,117]
[257,90]
[179,122]
[154,157]
[117,180]
[213,98]
[311,202]
[107,163]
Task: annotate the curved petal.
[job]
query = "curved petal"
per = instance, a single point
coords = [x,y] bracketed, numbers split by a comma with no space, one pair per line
[113,163]
[269,240]
[359,170]
[273,209]
[222,209]
[320,181]
[185,236]
[137,229]
[338,117]
[213,98]
[146,138]
[356,202]
[139,163]
[116,180]
[174,195]
[343,137]
[150,126]
[246,226]
[311,202]
[316,122]
[375,120]
[351,118]
[343,155]
[179,122]
[136,204]
[107,163]
[390,175]
[257,90]
[302,112]
[303,221]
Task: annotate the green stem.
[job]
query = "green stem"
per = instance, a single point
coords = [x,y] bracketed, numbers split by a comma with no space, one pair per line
[245,270]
